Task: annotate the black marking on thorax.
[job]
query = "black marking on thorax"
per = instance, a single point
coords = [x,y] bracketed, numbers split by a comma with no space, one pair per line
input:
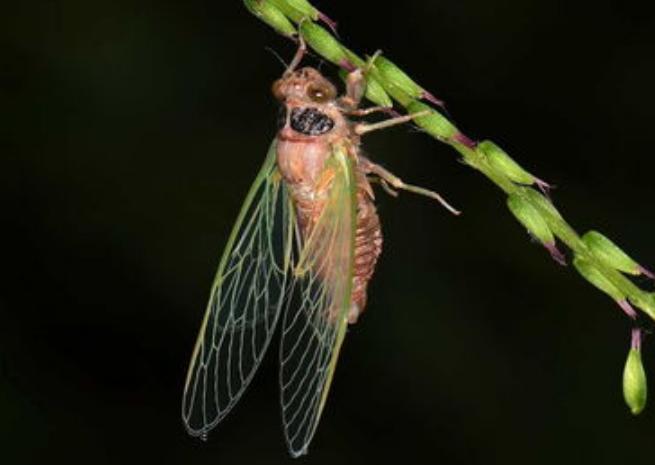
[310,121]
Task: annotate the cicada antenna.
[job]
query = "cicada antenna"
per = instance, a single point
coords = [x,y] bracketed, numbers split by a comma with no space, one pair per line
[277,55]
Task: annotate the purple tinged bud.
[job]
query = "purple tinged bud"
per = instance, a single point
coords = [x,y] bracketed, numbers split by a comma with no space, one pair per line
[302,10]
[611,254]
[543,186]
[555,253]
[503,163]
[434,123]
[645,272]
[269,13]
[347,65]
[595,276]
[635,339]
[541,201]
[532,220]
[398,79]
[432,99]
[627,308]
[329,22]
[324,44]
[635,387]
[465,140]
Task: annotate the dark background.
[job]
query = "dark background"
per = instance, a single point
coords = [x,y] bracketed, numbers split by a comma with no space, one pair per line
[130,134]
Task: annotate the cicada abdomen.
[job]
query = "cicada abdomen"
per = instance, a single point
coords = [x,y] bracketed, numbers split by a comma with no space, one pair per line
[314,128]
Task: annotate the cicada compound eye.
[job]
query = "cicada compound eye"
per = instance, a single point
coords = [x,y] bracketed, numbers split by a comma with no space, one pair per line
[320,93]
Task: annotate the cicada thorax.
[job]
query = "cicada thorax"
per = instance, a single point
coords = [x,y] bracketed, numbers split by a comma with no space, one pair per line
[311,125]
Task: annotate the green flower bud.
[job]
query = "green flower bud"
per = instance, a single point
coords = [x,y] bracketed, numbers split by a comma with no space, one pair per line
[635,390]
[271,15]
[536,225]
[324,43]
[502,162]
[434,123]
[541,201]
[376,93]
[396,77]
[530,217]
[592,274]
[610,254]
[297,10]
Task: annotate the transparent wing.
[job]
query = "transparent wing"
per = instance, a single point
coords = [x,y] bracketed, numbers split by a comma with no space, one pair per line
[245,301]
[315,321]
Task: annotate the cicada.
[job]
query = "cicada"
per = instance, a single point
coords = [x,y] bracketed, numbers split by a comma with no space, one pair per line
[303,250]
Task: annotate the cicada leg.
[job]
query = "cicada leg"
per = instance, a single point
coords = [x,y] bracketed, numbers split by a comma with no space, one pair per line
[297,58]
[356,88]
[390,180]
[363,128]
[368,111]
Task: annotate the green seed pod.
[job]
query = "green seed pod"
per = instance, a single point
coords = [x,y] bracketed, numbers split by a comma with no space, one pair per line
[397,77]
[435,123]
[610,254]
[323,43]
[530,217]
[297,10]
[541,201]
[635,389]
[271,15]
[598,279]
[374,91]
[503,163]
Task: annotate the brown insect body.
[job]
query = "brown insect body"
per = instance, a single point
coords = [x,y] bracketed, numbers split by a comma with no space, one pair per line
[313,124]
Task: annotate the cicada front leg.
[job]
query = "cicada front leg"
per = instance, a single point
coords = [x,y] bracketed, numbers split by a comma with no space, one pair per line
[297,58]
[355,90]
[390,181]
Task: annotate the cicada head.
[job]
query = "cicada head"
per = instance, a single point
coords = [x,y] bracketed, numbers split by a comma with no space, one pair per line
[304,86]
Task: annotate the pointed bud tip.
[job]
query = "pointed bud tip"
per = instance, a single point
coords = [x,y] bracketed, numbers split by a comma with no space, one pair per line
[635,339]
[646,272]
[555,253]
[329,22]
[627,308]
[432,99]
[347,65]
[543,186]
[465,140]
[635,388]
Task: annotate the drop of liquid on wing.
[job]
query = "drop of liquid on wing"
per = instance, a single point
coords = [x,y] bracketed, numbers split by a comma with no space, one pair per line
[203,437]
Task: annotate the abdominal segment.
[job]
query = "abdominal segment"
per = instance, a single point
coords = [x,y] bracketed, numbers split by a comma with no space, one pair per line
[310,191]
[368,246]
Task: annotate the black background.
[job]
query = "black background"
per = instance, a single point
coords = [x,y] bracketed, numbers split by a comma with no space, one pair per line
[130,134]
